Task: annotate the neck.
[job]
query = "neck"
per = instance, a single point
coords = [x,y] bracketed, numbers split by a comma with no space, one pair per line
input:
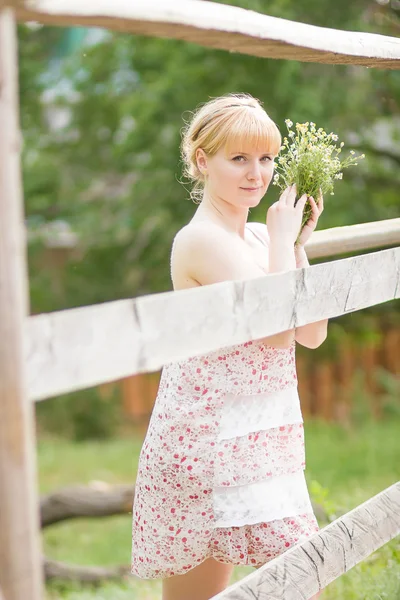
[230,217]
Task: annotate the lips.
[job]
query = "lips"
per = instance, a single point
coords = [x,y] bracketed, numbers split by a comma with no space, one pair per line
[251,189]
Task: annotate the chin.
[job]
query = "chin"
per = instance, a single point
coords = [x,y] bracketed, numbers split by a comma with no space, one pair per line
[251,201]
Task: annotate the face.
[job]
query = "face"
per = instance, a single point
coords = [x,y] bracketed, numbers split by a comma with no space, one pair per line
[240,176]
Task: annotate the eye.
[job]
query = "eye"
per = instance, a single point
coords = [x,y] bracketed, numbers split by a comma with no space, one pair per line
[238,158]
[267,158]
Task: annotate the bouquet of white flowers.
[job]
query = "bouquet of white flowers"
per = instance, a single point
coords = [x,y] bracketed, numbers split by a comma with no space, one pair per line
[310,159]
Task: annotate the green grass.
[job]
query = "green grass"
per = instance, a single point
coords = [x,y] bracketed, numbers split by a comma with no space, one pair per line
[344,468]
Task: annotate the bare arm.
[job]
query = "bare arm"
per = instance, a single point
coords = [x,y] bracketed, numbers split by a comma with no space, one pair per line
[281,259]
[311,335]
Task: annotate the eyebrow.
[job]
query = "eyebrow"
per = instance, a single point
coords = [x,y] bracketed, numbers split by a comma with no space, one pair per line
[247,154]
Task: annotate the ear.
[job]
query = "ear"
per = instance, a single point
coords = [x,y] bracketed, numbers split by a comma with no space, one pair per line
[201,160]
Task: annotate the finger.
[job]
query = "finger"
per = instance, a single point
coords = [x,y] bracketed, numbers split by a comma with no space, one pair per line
[302,201]
[315,210]
[314,205]
[288,194]
[287,190]
[318,207]
[291,197]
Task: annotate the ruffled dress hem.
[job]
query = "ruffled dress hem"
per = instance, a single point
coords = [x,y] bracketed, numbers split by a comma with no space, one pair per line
[248,545]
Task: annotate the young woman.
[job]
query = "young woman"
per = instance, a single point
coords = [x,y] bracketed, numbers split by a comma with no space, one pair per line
[221,472]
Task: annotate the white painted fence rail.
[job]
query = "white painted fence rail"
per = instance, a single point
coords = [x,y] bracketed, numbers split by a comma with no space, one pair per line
[309,567]
[219,26]
[82,347]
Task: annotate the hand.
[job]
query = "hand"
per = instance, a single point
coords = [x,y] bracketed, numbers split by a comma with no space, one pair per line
[312,221]
[284,218]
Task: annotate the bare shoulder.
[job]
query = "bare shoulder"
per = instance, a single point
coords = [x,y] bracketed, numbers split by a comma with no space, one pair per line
[204,253]
[198,232]
[196,239]
[195,235]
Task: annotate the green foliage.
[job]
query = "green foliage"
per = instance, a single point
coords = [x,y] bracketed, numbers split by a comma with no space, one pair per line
[81,415]
[390,383]
[321,496]
[361,400]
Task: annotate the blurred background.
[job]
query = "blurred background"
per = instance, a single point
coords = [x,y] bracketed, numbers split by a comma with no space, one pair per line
[101,115]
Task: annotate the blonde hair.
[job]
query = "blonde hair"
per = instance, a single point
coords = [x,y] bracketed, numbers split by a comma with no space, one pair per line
[224,121]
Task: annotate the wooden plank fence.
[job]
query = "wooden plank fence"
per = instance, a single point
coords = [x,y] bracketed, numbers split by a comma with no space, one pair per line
[74,349]
[77,348]
[20,560]
[219,26]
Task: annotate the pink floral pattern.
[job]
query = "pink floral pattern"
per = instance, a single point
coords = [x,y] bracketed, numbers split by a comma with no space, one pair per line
[184,459]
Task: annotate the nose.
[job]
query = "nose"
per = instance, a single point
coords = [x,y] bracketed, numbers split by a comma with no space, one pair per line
[254,172]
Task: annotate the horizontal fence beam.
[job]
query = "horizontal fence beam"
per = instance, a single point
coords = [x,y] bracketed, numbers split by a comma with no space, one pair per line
[219,26]
[353,238]
[323,243]
[309,567]
[78,348]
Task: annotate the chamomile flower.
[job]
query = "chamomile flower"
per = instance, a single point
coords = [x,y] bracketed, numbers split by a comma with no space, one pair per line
[310,159]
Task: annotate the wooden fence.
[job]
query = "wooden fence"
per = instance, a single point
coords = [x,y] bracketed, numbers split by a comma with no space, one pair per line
[45,355]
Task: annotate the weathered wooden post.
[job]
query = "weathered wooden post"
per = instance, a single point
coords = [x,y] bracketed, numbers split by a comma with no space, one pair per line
[20,559]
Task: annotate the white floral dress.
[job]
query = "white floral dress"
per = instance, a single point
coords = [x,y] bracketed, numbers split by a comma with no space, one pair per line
[221,470]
